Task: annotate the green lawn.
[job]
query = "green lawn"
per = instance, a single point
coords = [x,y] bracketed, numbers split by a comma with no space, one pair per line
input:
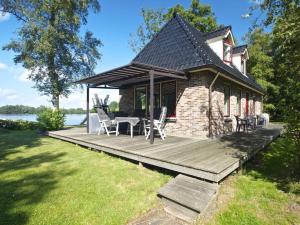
[267,191]
[47,181]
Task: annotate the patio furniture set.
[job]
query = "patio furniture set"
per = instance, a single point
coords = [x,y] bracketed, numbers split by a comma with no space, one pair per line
[142,124]
[249,122]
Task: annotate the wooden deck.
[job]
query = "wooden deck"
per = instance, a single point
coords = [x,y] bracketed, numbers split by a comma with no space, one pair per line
[211,159]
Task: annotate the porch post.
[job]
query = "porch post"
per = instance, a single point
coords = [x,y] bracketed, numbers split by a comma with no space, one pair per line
[151,74]
[87,108]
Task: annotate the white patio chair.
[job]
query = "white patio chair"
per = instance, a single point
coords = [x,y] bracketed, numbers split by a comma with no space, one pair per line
[159,125]
[107,123]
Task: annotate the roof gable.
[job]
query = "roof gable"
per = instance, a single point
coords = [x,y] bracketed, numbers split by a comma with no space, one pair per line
[180,46]
[239,49]
[217,33]
[171,48]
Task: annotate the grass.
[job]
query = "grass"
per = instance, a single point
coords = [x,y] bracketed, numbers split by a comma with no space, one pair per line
[267,191]
[47,181]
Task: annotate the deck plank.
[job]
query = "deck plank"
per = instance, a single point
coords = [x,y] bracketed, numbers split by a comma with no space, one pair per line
[210,159]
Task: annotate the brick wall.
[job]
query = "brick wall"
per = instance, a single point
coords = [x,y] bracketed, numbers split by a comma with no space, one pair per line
[192,105]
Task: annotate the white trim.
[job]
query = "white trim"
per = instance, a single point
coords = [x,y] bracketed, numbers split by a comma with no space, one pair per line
[223,75]
[218,38]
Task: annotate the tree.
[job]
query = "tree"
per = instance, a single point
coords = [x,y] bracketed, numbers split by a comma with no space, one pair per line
[114,106]
[286,45]
[198,14]
[260,65]
[48,43]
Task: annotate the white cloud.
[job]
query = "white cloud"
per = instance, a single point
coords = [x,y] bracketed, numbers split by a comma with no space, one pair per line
[245,16]
[4,17]
[257,2]
[24,76]
[3,66]
[8,94]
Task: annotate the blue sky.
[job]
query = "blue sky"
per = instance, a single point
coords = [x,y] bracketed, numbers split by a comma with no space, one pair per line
[112,25]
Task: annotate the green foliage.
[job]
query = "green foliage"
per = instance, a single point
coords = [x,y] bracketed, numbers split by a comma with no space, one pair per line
[114,106]
[50,119]
[23,109]
[48,43]
[268,190]
[19,124]
[260,65]
[198,14]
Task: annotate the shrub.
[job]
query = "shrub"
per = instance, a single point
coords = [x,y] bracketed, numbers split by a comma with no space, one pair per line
[50,119]
[19,124]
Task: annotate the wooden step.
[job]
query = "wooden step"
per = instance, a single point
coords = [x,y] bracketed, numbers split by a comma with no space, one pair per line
[185,197]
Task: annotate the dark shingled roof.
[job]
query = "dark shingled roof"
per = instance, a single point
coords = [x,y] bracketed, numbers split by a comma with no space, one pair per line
[239,49]
[180,46]
[220,32]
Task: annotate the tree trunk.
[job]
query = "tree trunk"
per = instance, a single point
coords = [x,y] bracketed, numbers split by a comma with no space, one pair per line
[54,77]
[55,101]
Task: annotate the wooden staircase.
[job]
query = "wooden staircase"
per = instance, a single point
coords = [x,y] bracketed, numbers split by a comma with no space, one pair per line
[186,197]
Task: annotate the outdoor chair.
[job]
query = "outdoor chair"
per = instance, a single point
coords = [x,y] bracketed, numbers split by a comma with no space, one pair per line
[241,123]
[159,124]
[252,122]
[109,126]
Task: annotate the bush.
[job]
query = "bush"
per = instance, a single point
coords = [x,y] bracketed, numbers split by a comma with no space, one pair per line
[50,119]
[19,124]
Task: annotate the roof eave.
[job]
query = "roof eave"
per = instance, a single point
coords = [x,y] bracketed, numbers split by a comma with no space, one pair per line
[215,68]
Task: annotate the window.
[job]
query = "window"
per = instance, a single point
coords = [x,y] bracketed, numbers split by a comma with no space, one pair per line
[168,97]
[238,102]
[227,100]
[247,104]
[156,96]
[140,98]
[243,65]
[227,51]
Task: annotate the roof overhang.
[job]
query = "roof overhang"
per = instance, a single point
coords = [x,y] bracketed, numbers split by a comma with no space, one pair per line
[221,37]
[245,52]
[130,74]
[223,73]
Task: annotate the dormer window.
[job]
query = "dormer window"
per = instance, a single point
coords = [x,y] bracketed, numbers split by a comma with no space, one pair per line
[243,64]
[227,50]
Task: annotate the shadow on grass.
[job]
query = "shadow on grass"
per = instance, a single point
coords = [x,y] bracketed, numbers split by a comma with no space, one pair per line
[278,163]
[25,183]
[10,140]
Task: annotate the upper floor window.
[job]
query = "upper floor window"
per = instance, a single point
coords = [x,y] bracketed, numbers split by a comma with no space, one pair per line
[243,64]
[227,51]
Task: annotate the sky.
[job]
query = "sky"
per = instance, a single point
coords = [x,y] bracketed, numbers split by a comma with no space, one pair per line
[113,25]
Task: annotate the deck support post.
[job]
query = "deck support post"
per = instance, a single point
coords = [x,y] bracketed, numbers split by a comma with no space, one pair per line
[151,74]
[87,108]
[210,104]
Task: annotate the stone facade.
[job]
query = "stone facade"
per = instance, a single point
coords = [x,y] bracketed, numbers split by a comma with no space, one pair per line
[193,101]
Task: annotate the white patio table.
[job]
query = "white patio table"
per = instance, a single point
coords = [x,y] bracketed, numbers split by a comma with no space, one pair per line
[133,121]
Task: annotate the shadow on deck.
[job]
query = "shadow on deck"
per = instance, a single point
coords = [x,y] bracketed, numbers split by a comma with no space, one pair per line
[211,159]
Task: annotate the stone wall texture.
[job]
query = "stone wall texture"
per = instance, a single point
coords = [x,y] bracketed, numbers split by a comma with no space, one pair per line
[193,101]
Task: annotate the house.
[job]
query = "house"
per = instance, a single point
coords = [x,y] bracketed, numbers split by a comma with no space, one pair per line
[200,77]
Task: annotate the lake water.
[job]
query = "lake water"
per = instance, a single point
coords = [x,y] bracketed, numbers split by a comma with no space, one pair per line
[71,119]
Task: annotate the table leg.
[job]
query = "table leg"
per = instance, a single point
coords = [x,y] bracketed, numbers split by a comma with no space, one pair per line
[117,129]
[131,130]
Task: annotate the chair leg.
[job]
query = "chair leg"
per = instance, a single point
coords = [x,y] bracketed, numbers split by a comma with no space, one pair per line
[160,132]
[164,133]
[148,134]
[107,132]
